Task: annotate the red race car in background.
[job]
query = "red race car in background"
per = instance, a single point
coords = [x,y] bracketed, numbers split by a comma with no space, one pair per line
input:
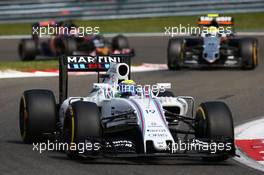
[67,40]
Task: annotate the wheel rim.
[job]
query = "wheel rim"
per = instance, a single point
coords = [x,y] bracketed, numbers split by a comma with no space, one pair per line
[69,133]
[201,126]
[72,129]
[69,130]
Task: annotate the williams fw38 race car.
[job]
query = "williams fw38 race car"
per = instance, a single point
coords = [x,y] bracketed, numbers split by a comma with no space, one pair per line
[123,118]
[68,39]
[216,45]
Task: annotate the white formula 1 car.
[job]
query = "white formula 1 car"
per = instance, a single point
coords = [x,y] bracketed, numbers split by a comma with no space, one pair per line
[118,124]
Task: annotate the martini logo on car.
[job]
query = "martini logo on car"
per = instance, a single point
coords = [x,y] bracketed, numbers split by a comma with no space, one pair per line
[91,63]
[93,59]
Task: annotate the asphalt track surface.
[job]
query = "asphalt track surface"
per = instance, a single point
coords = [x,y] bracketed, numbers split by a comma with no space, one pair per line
[243,91]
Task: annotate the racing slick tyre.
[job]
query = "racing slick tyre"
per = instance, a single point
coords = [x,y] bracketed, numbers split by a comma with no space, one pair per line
[37,115]
[174,53]
[69,46]
[120,42]
[214,123]
[65,46]
[27,50]
[82,122]
[249,53]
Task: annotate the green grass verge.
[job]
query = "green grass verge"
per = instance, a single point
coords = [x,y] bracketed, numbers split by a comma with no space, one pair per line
[243,21]
[29,65]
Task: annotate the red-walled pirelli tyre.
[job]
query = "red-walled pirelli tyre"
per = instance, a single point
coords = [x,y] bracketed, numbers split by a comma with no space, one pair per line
[37,115]
[82,122]
[214,123]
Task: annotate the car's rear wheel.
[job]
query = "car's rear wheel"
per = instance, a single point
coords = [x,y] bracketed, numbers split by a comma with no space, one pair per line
[27,50]
[37,115]
[70,46]
[214,123]
[174,53]
[65,46]
[82,122]
[120,42]
[249,53]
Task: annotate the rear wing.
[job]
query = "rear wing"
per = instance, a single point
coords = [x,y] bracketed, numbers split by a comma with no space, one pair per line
[220,20]
[86,63]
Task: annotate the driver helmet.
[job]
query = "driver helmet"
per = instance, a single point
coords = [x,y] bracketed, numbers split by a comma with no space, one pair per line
[213,30]
[127,88]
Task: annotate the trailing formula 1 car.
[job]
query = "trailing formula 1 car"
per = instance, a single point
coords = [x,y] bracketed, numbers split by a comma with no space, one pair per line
[123,119]
[216,45]
[67,39]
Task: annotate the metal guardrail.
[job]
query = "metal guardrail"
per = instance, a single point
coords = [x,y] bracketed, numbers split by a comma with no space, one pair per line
[35,10]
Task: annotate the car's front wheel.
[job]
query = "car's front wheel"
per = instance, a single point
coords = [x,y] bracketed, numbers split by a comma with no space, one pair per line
[214,123]
[174,53]
[82,123]
[249,53]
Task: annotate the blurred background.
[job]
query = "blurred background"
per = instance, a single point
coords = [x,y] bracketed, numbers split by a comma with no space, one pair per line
[32,10]
[118,16]
[16,15]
